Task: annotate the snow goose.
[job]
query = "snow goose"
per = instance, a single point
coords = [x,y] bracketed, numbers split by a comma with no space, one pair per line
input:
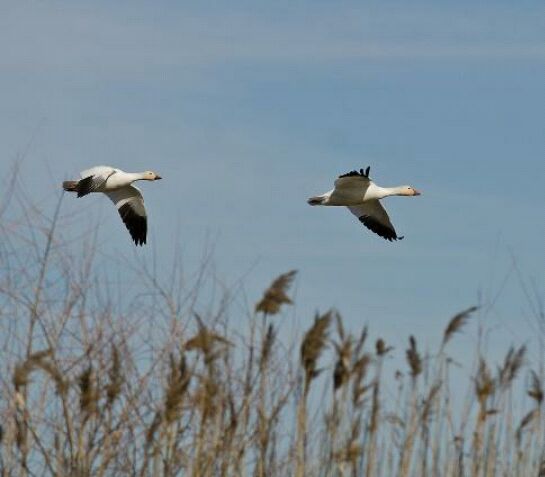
[361,195]
[117,185]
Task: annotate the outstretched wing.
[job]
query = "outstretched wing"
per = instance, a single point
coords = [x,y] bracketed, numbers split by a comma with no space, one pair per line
[130,205]
[375,218]
[350,188]
[353,179]
[92,179]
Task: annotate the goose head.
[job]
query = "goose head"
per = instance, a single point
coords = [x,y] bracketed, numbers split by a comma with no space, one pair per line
[151,176]
[408,191]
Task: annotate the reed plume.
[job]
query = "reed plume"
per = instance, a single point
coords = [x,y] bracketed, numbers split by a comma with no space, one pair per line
[314,342]
[180,379]
[276,295]
[456,323]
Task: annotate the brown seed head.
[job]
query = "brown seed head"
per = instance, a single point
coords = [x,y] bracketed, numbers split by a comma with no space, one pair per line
[536,389]
[381,347]
[484,384]
[276,295]
[456,323]
[341,372]
[314,342]
[210,344]
[88,398]
[413,358]
[524,423]
[512,363]
[115,376]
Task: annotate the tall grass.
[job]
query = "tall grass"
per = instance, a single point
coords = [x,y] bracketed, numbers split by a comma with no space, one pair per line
[175,381]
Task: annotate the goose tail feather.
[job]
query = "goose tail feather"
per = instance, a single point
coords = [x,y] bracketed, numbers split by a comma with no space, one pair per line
[318,200]
[70,186]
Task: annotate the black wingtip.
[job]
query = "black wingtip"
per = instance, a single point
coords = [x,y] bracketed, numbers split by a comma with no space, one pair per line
[380,229]
[84,186]
[360,173]
[136,224]
[138,241]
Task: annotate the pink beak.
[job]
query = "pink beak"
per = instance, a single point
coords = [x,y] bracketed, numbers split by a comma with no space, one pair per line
[416,192]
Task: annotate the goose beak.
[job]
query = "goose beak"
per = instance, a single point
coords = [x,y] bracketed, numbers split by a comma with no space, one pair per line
[157,177]
[416,192]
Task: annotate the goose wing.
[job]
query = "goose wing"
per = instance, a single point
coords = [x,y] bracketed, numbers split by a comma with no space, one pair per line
[92,179]
[350,188]
[353,179]
[375,218]
[130,205]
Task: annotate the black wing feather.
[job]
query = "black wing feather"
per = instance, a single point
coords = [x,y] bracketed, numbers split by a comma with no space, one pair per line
[86,186]
[360,173]
[137,225]
[380,229]
[89,184]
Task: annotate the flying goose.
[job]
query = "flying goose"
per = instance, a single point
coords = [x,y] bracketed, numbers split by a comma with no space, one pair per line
[117,185]
[361,195]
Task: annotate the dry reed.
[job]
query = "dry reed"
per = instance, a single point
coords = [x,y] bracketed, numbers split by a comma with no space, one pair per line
[166,380]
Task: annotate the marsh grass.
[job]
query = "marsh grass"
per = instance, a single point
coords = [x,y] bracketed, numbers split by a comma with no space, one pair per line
[169,386]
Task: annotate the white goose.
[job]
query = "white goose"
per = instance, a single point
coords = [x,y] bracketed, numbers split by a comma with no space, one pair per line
[116,184]
[361,195]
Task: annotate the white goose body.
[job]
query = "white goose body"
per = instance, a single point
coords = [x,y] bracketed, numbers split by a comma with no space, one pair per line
[361,195]
[344,195]
[117,185]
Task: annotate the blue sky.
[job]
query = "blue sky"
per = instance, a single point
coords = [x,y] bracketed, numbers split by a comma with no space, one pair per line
[248,108]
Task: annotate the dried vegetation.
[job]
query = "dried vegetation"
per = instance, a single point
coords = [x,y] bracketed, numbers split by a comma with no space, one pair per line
[97,381]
